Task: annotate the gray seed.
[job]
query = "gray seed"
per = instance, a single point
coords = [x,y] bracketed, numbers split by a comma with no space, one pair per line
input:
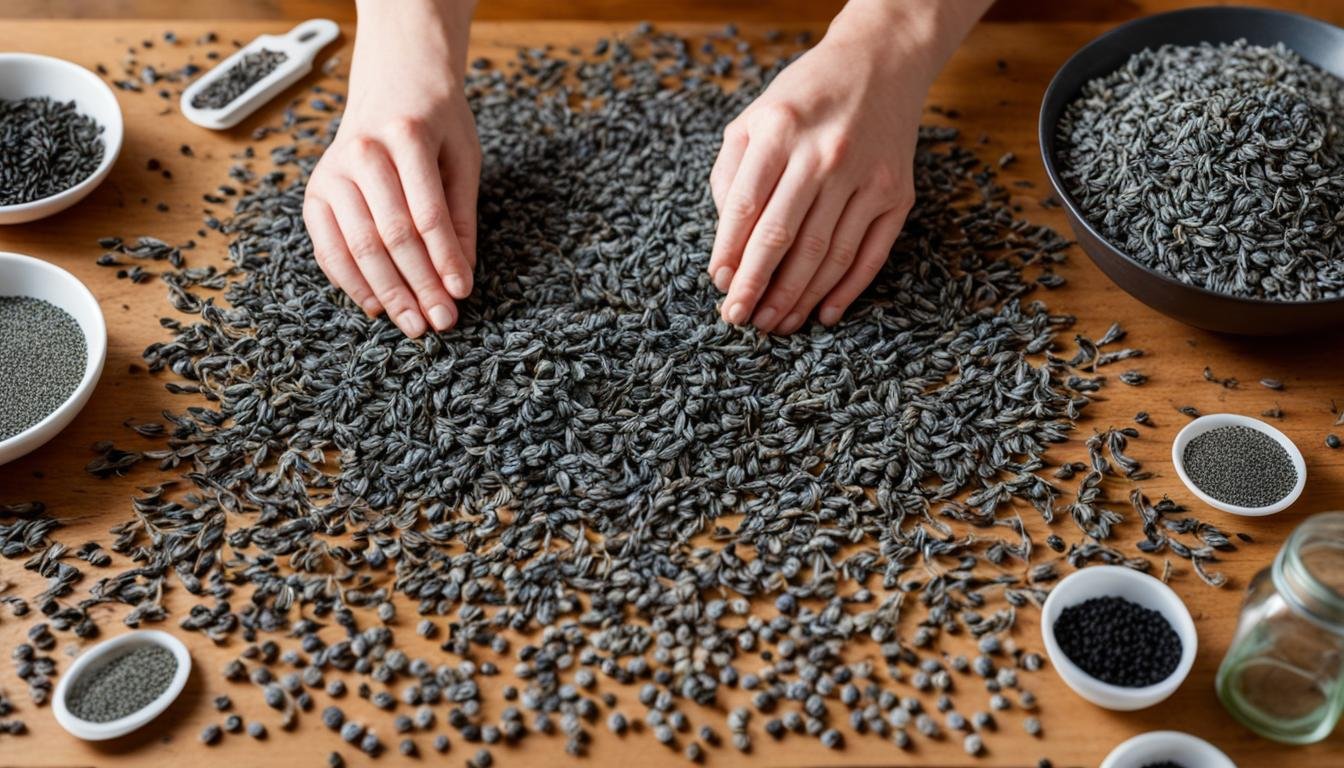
[832,739]
[352,731]
[973,744]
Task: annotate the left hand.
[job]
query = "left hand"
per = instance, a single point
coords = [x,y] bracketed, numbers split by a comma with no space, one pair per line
[814,179]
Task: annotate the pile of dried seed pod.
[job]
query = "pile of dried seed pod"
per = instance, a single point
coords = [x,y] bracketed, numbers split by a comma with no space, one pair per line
[593,481]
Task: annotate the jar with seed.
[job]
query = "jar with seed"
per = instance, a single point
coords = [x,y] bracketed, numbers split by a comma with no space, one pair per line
[1283,675]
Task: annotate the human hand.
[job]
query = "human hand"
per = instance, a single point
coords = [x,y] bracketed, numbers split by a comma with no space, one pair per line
[814,179]
[391,206]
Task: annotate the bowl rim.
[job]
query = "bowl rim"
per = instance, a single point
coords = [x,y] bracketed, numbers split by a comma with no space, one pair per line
[90,731]
[1122,698]
[1185,740]
[1045,138]
[113,130]
[96,342]
[1210,421]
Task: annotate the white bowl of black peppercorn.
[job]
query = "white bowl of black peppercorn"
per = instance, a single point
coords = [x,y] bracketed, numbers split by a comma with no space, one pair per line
[1102,581]
[1166,747]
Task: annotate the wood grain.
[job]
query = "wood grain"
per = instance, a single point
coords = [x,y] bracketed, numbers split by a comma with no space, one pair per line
[1000,103]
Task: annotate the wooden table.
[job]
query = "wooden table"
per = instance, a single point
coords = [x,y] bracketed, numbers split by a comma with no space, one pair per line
[1001,103]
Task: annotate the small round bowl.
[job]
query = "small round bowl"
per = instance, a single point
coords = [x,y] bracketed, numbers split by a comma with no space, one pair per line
[27,75]
[25,276]
[1118,581]
[1316,41]
[1172,746]
[94,659]
[1215,420]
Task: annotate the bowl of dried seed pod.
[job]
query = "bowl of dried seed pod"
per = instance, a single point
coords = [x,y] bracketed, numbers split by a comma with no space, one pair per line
[60,133]
[1198,161]
[53,342]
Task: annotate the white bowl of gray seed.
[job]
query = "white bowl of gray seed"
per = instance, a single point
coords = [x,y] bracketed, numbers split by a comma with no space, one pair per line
[1239,465]
[53,342]
[60,133]
[121,684]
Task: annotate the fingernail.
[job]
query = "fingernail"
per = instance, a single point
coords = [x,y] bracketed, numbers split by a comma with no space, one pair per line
[371,307]
[411,323]
[457,286]
[723,278]
[829,315]
[736,313]
[765,319]
[441,317]
[791,321]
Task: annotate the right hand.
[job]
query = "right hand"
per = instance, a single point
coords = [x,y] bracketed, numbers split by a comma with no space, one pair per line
[391,206]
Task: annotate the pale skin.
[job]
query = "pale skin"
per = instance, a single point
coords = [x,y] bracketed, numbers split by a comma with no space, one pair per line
[812,183]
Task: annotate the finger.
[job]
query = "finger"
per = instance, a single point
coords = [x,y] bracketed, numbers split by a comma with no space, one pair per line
[770,239]
[423,186]
[742,205]
[726,164]
[840,253]
[366,248]
[872,255]
[381,187]
[462,175]
[800,264]
[334,258]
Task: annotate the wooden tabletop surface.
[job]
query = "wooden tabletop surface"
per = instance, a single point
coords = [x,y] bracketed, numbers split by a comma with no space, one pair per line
[1000,102]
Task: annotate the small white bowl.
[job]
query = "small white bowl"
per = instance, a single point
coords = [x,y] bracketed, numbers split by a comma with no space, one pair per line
[1157,746]
[94,658]
[1215,420]
[1118,581]
[27,75]
[25,276]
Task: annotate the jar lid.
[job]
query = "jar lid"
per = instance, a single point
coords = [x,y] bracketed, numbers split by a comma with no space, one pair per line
[1309,570]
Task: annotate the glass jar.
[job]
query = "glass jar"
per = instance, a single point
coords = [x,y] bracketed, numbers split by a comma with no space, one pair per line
[1283,676]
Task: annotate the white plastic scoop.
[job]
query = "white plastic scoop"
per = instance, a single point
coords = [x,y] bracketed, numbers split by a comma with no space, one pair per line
[300,46]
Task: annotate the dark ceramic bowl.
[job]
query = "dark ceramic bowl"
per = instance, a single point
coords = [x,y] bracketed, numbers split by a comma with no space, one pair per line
[1320,43]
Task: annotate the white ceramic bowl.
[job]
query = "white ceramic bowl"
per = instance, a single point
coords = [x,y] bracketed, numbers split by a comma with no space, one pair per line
[1174,746]
[26,276]
[25,75]
[99,655]
[1215,420]
[1118,581]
